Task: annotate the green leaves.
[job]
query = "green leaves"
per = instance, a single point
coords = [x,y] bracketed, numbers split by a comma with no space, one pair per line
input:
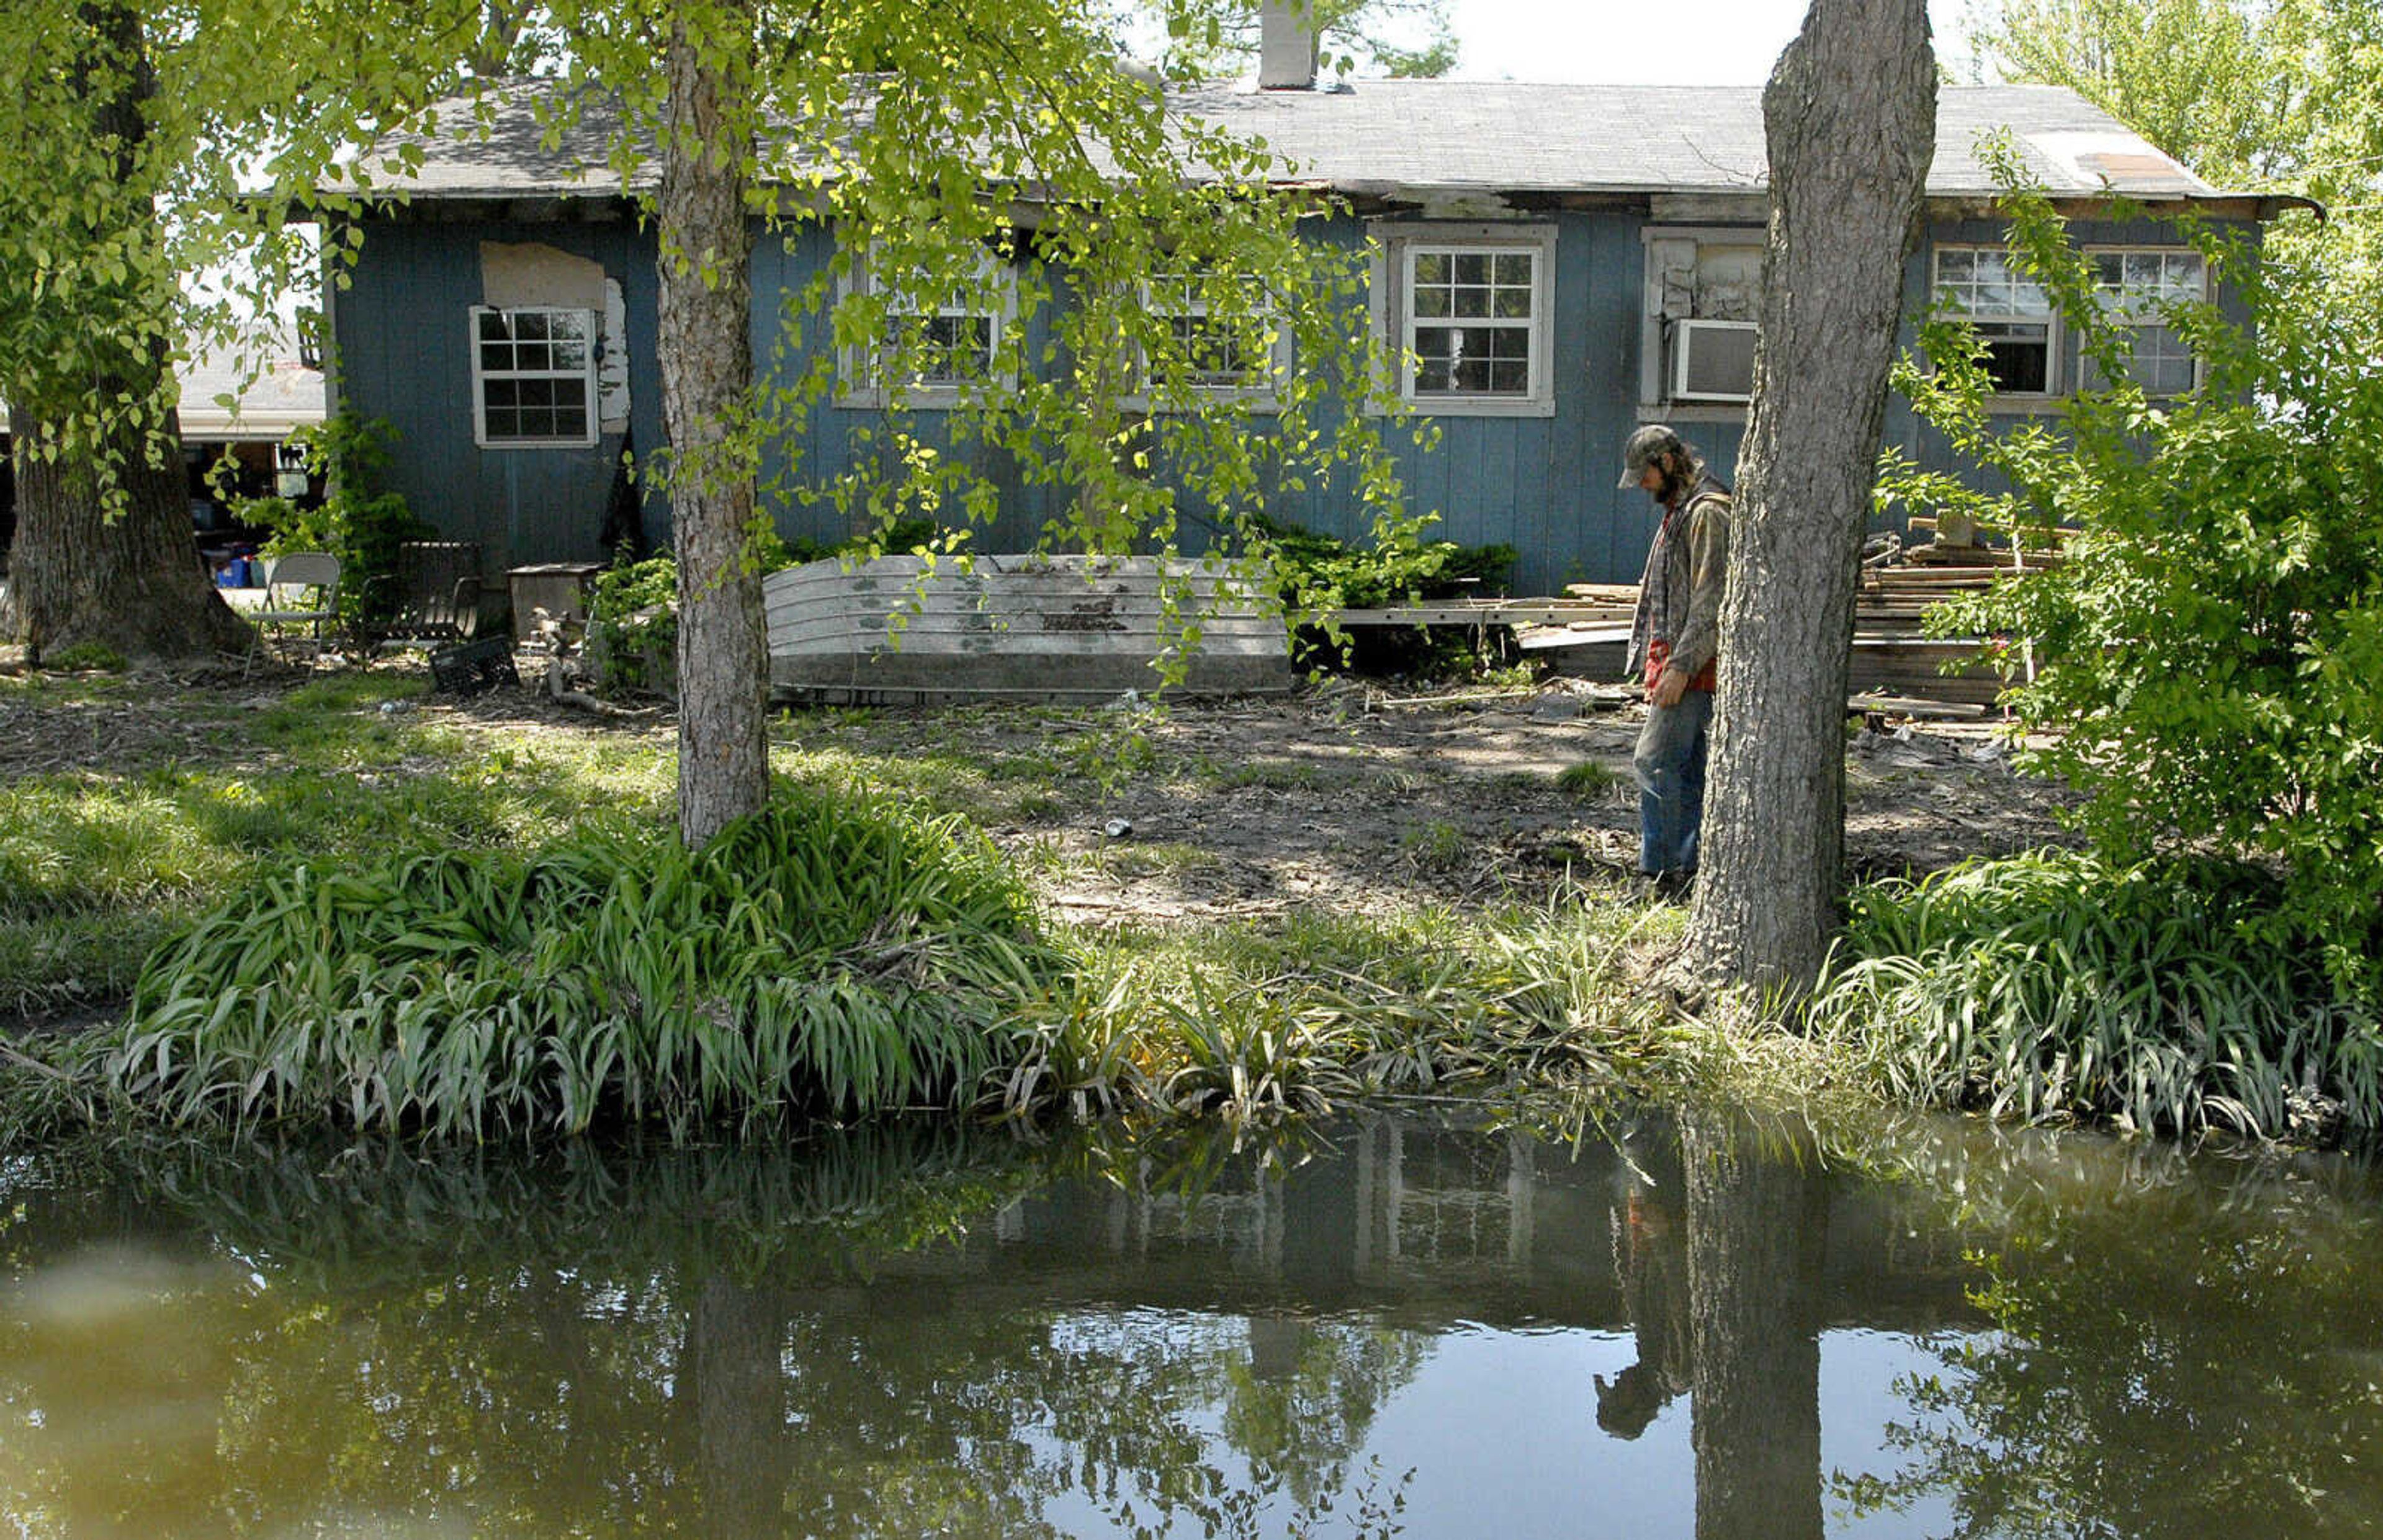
[2173,995]
[2191,654]
[834,956]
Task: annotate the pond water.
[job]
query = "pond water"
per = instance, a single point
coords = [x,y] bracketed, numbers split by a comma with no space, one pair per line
[1693,1325]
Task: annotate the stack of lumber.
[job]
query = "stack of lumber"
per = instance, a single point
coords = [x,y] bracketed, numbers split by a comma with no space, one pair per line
[1585,633]
[1890,654]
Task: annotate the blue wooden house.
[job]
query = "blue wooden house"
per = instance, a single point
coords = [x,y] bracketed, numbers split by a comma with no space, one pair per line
[1560,262]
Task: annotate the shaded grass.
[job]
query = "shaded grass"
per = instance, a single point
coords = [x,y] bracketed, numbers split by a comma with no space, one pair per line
[2056,986]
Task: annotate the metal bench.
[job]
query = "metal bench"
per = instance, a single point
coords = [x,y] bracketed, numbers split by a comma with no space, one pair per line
[437,592]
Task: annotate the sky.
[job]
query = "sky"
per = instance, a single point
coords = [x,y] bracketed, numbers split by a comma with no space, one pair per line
[1651,42]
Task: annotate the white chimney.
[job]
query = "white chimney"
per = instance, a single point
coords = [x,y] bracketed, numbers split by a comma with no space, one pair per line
[1286,45]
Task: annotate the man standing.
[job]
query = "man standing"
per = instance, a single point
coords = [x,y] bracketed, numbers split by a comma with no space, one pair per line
[1674,637]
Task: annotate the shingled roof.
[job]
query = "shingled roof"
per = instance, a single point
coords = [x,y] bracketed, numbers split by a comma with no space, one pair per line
[1404,140]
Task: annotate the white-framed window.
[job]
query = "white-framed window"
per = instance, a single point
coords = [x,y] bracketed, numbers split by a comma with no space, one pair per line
[1470,310]
[2138,285]
[1237,354]
[2010,313]
[932,348]
[1702,300]
[533,377]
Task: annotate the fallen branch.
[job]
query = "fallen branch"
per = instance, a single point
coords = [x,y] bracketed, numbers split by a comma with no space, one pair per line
[14,1055]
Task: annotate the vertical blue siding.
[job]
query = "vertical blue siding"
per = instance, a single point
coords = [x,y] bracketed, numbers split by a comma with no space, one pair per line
[1544,485]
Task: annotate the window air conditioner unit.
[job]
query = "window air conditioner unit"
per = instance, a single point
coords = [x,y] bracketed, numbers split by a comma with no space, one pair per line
[1713,361]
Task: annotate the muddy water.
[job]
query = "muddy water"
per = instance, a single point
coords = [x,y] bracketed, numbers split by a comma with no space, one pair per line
[1691,1325]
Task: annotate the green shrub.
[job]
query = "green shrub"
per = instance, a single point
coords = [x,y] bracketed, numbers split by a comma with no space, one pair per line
[2204,659]
[633,624]
[835,955]
[360,521]
[633,613]
[1318,573]
[2058,985]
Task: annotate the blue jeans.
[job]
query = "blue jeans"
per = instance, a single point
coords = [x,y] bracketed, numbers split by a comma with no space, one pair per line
[1670,762]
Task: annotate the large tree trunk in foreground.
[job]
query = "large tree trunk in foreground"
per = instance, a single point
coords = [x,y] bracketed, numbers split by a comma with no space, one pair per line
[132,583]
[707,359]
[1850,116]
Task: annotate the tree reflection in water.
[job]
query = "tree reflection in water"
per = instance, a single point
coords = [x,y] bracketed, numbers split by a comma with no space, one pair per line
[738,1341]
[923,1328]
[2189,1345]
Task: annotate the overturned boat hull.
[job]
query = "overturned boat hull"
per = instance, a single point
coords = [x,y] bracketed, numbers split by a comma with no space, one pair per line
[901,629]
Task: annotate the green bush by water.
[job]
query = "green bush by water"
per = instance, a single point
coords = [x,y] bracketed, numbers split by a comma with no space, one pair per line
[834,956]
[2058,985]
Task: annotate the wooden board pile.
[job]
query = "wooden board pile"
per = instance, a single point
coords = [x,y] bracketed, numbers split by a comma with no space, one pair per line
[1891,656]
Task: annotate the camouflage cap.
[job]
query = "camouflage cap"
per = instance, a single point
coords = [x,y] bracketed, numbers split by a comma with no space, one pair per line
[1643,446]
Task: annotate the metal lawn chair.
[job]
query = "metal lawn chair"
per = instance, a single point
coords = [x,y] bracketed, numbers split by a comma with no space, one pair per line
[300,588]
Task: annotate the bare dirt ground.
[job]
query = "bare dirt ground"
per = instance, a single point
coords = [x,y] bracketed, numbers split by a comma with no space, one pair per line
[1347,797]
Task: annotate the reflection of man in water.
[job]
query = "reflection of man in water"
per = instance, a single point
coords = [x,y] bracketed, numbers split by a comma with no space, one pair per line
[1650,1255]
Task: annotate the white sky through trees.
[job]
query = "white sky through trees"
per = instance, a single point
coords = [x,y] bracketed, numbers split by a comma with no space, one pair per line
[1649,42]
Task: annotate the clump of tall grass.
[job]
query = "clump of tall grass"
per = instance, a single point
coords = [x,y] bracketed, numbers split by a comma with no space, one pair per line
[2055,985]
[839,955]
[1320,1010]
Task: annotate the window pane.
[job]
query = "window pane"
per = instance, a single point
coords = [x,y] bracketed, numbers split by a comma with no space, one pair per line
[502,393]
[1955,267]
[1437,349]
[2142,271]
[496,355]
[2018,357]
[535,392]
[1514,268]
[1472,302]
[1471,267]
[529,323]
[533,355]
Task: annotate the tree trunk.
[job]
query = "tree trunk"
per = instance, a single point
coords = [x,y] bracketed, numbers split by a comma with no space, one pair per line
[1758,1220]
[130,582]
[734,1369]
[1850,116]
[706,349]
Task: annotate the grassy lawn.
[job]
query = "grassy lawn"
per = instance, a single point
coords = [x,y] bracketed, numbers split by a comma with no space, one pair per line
[129,811]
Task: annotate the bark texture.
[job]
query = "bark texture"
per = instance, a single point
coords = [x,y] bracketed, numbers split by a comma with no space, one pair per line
[1850,117]
[707,359]
[1758,1221]
[132,583]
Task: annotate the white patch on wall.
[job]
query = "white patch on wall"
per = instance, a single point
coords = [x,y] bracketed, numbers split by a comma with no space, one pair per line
[612,368]
[531,273]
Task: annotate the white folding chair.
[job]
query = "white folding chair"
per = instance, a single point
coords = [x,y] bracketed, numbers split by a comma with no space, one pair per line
[300,588]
